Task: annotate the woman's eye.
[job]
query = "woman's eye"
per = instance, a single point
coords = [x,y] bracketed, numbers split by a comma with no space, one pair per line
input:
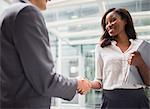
[106,23]
[113,19]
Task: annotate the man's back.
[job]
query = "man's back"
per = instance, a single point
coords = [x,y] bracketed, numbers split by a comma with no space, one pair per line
[14,84]
[27,78]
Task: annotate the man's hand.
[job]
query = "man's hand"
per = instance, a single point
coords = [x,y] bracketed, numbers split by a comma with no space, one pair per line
[83,86]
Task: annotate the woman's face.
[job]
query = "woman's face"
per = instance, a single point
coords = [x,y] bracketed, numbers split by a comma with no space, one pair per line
[114,24]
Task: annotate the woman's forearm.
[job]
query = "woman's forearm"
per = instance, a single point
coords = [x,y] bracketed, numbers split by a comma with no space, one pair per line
[144,72]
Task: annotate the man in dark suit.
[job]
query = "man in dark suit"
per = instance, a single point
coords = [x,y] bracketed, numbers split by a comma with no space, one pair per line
[27,79]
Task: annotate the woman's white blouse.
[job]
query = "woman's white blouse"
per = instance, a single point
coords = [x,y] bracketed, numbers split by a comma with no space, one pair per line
[112,66]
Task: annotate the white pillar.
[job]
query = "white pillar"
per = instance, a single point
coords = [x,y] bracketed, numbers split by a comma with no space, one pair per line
[81,73]
[59,68]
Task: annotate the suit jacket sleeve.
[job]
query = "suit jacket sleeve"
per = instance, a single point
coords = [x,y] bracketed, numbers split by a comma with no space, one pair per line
[32,44]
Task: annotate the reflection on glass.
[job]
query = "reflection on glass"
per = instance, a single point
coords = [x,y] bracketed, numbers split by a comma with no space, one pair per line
[131,5]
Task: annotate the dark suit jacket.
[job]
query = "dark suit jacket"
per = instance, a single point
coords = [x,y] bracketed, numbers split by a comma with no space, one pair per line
[26,66]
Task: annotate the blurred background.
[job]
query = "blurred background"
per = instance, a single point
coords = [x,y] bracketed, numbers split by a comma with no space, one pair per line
[74,29]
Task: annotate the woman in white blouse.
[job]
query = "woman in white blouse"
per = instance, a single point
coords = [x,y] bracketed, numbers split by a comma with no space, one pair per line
[120,68]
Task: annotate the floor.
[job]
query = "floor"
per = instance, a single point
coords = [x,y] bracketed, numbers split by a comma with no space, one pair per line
[74,107]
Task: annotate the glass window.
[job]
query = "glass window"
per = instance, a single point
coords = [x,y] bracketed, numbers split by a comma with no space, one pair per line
[131,5]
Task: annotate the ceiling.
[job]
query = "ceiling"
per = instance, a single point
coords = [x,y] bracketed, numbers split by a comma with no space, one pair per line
[78,21]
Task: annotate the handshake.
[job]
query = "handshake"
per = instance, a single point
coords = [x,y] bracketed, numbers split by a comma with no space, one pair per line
[83,86]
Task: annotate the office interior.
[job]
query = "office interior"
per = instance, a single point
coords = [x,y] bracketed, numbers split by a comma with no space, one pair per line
[74,28]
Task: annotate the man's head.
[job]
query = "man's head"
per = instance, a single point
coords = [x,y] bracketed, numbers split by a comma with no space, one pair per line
[41,4]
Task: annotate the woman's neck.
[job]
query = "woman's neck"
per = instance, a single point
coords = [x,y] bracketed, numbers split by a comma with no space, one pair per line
[123,42]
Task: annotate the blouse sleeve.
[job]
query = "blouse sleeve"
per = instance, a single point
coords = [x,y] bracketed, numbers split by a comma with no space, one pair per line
[98,64]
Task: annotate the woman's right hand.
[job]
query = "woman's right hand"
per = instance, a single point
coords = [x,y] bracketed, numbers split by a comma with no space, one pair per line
[96,85]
